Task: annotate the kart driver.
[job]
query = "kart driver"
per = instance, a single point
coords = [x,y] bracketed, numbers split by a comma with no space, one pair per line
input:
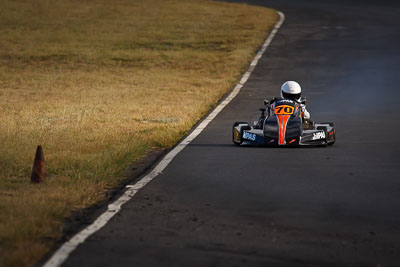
[290,90]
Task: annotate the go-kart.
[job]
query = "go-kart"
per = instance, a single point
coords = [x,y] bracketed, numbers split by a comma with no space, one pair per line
[282,124]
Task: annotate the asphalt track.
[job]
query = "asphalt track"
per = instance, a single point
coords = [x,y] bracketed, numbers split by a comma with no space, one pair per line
[221,205]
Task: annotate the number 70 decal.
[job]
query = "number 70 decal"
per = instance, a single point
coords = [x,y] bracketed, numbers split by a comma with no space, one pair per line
[284,110]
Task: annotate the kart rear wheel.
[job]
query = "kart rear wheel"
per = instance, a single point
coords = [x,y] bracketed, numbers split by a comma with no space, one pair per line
[334,138]
[330,134]
[237,134]
[325,129]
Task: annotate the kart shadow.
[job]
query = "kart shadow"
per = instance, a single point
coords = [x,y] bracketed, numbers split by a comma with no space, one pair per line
[255,146]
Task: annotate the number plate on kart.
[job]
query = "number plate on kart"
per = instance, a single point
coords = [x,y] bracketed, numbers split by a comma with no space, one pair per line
[284,110]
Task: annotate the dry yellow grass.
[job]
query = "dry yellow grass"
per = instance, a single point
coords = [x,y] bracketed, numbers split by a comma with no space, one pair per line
[97,84]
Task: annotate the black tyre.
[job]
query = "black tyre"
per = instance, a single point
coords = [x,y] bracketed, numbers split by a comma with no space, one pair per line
[334,138]
[334,133]
[237,134]
[326,133]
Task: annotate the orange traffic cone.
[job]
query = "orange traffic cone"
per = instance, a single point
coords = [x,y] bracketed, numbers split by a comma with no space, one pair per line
[38,169]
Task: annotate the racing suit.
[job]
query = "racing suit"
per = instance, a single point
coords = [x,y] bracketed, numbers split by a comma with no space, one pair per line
[306,114]
[266,113]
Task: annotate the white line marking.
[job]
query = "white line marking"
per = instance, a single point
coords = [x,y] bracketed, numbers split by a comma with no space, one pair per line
[66,249]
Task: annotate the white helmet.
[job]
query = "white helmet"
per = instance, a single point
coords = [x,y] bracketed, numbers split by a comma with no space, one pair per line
[291,90]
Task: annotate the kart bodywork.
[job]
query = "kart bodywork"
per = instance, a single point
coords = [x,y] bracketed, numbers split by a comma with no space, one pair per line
[283,125]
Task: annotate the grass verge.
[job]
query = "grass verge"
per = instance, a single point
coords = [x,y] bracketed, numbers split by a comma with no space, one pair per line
[99,83]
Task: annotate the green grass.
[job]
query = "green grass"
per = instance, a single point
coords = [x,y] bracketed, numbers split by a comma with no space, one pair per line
[98,84]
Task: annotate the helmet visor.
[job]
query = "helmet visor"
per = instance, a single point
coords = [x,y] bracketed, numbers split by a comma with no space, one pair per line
[291,96]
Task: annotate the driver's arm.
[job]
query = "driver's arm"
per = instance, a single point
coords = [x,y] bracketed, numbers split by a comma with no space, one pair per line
[306,114]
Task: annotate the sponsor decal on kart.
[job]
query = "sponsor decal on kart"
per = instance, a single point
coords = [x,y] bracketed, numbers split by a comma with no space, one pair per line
[319,135]
[249,136]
